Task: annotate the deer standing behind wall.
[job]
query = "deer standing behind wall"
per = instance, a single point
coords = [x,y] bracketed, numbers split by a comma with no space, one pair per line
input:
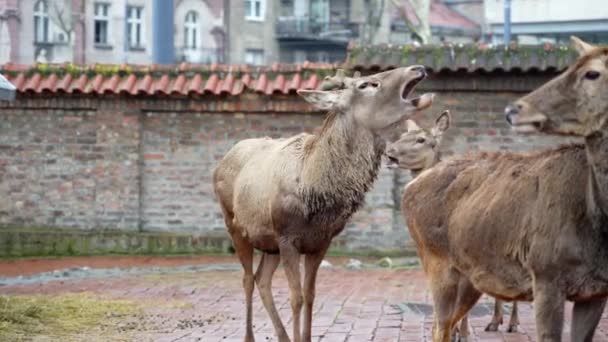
[525,226]
[290,197]
[417,150]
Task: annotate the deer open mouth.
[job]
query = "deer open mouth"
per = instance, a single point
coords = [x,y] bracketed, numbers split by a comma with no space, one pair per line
[408,88]
[530,127]
[392,162]
[531,124]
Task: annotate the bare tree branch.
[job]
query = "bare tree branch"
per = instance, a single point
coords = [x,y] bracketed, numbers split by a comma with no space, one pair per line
[61,16]
[420,9]
[375,13]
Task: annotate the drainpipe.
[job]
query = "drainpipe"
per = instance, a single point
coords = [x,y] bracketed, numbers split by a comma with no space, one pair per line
[227,43]
[162,32]
[507,24]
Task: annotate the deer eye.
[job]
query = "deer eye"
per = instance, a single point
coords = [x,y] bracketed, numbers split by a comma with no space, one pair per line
[421,140]
[363,85]
[374,84]
[592,75]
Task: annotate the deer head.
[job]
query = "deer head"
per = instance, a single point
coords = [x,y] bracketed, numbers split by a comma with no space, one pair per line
[339,80]
[418,148]
[574,103]
[376,101]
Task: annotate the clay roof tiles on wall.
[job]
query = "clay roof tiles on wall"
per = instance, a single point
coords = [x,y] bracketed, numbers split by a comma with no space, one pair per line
[231,80]
[183,79]
[467,57]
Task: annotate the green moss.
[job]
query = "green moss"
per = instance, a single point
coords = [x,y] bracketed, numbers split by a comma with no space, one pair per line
[436,54]
[55,241]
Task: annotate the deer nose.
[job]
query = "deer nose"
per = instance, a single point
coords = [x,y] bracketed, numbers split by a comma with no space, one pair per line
[511,111]
[420,68]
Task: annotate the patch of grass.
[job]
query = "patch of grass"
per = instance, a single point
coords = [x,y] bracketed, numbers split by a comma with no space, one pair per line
[22,317]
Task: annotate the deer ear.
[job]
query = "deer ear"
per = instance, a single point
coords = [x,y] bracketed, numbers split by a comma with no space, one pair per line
[324,100]
[442,123]
[411,125]
[580,46]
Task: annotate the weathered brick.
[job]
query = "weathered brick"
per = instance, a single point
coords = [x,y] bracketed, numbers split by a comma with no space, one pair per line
[115,164]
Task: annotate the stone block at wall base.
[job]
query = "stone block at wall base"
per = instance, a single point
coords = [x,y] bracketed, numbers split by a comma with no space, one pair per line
[55,242]
[29,242]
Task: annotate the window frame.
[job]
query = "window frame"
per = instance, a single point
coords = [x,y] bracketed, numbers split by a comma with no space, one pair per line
[102,18]
[255,54]
[191,31]
[250,7]
[132,24]
[41,17]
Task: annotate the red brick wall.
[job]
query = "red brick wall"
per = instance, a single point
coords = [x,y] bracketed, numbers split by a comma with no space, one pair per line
[146,164]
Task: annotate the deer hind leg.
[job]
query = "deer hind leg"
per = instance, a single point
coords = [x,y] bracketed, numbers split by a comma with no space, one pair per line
[263,277]
[585,318]
[453,297]
[463,330]
[497,318]
[291,263]
[514,319]
[244,251]
[548,310]
[311,266]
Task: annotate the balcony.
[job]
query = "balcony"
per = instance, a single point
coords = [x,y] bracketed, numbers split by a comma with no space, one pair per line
[307,29]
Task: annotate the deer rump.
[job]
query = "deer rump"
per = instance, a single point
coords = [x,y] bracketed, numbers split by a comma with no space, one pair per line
[480,212]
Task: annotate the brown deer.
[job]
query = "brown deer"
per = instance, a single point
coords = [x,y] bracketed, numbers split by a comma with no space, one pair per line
[288,197]
[417,150]
[524,226]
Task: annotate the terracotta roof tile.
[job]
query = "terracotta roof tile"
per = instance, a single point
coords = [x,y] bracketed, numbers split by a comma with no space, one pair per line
[183,79]
[78,85]
[31,84]
[64,84]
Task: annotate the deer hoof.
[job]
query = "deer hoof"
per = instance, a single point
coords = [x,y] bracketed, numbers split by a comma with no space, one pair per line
[512,328]
[492,326]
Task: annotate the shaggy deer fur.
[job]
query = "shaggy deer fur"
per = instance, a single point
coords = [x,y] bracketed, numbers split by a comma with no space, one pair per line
[288,197]
[417,150]
[524,226]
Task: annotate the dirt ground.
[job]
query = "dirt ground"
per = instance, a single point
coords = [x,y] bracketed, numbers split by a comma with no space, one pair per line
[207,303]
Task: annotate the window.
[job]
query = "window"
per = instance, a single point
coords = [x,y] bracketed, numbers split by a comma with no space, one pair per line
[135,26]
[41,22]
[102,22]
[191,31]
[254,9]
[254,56]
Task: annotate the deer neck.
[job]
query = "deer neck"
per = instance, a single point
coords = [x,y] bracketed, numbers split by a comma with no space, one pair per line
[596,145]
[339,167]
[435,161]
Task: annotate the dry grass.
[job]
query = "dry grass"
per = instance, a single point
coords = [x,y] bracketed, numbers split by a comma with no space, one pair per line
[25,317]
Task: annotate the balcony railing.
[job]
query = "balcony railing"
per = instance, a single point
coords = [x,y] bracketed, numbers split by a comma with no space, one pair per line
[295,28]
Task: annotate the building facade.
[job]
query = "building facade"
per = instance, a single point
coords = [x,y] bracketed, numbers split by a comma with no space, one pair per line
[294,31]
[534,22]
[118,31]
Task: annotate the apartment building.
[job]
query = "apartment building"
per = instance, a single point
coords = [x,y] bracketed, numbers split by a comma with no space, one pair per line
[117,31]
[536,21]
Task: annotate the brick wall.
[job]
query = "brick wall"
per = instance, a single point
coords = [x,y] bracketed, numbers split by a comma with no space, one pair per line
[144,164]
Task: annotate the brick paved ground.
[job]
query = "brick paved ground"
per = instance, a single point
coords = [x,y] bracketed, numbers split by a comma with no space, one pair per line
[364,305]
